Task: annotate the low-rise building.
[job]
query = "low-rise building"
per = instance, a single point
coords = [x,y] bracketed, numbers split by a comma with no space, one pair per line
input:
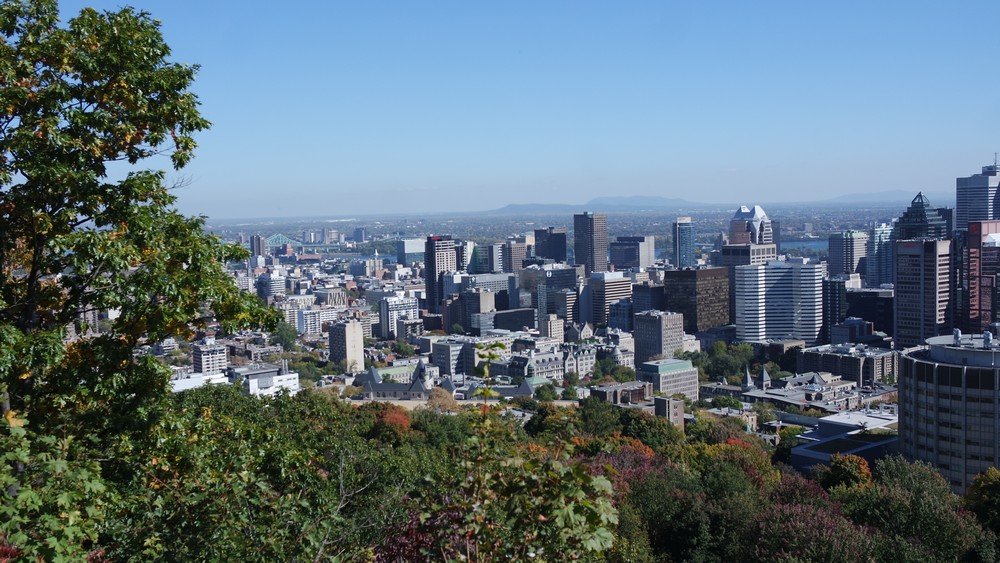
[670,408]
[858,363]
[670,377]
[265,380]
[632,392]
[822,391]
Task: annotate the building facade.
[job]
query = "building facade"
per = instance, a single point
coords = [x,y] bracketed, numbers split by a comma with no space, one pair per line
[439,257]
[347,345]
[670,377]
[977,198]
[978,267]
[878,255]
[948,406]
[551,243]
[701,295]
[658,334]
[847,250]
[922,302]
[208,357]
[606,288]
[633,253]
[780,300]
[590,241]
[392,309]
[684,243]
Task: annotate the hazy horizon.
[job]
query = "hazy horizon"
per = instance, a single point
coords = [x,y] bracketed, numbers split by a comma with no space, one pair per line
[345,108]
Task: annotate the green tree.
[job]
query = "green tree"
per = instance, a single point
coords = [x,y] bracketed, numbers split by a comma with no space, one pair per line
[844,471]
[80,95]
[402,348]
[546,392]
[765,412]
[983,498]
[571,379]
[510,507]
[285,335]
[598,418]
[723,401]
[788,438]
[917,514]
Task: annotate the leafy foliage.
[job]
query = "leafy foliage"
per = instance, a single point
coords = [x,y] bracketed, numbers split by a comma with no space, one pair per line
[498,506]
[285,335]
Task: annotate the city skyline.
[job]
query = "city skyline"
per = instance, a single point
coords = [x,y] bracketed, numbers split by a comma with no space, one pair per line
[368,109]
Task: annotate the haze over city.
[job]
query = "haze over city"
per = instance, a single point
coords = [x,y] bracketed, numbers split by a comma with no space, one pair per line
[342,108]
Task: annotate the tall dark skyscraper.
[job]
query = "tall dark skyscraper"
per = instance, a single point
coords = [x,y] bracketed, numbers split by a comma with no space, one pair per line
[922,302]
[257,246]
[636,253]
[684,243]
[979,264]
[920,220]
[590,241]
[439,257]
[551,243]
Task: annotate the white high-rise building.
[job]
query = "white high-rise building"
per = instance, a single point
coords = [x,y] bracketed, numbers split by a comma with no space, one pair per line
[393,308]
[976,197]
[782,299]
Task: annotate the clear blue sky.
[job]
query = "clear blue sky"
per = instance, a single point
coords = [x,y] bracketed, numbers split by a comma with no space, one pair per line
[361,107]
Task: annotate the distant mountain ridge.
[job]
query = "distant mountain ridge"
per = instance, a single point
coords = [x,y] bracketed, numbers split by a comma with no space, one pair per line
[658,203]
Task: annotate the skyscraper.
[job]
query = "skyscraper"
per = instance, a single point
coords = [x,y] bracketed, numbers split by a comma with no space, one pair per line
[978,265]
[393,308]
[464,250]
[439,257]
[347,345]
[633,252]
[922,291]
[750,226]
[835,303]
[780,300]
[258,246]
[976,197]
[751,241]
[878,255]
[700,294]
[658,334]
[847,249]
[551,243]
[514,253]
[921,220]
[684,243]
[606,288]
[590,241]
[487,259]
[948,408]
